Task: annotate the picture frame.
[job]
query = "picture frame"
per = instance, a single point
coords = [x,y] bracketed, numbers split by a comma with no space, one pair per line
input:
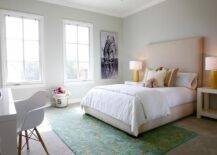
[109,54]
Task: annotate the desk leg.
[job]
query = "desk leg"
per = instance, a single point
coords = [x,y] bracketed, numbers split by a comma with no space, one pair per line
[8,138]
[199,104]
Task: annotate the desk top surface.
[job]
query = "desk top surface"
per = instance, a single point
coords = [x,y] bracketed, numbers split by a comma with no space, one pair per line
[7,107]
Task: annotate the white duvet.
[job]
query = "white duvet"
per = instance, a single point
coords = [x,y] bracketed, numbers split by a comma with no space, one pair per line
[134,105]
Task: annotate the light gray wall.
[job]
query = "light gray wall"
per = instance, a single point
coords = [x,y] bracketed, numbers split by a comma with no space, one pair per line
[170,20]
[53,44]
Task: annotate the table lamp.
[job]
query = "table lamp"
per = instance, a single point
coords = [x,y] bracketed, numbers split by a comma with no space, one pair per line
[211,65]
[135,66]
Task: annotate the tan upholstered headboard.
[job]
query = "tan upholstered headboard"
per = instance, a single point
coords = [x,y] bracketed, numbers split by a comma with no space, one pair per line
[185,54]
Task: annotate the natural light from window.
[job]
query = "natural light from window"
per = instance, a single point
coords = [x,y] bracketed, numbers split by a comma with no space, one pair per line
[22,50]
[77,51]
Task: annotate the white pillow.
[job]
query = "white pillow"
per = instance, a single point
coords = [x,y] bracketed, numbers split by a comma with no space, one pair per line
[188,80]
[157,75]
[146,74]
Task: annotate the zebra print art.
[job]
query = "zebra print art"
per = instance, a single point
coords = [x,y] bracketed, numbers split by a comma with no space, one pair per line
[109,55]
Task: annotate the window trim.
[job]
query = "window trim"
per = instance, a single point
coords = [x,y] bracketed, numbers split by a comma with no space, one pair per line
[91,56]
[3,14]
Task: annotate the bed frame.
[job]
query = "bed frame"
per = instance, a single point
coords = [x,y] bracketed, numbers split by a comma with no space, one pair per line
[185,54]
[177,112]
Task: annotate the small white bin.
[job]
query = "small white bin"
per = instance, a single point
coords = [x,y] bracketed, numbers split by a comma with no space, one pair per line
[61,100]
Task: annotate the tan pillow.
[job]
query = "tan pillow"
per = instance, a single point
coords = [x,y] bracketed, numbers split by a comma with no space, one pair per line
[170,76]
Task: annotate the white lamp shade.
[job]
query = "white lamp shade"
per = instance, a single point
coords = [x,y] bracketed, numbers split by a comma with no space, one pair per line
[135,65]
[211,63]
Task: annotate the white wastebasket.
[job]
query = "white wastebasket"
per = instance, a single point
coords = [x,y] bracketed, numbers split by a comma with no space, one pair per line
[61,100]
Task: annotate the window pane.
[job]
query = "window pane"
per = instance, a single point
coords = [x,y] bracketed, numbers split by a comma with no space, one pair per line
[83,52]
[32,71]
[83,35]
[13,27]
[31,50]
[15,71]
[71,52]
[30,29]
[71,70]
[22,47]
[71,33]
[83,71]
[14,50]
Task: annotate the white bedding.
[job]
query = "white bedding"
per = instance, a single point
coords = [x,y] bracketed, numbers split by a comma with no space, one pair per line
[135,105]
[178,95]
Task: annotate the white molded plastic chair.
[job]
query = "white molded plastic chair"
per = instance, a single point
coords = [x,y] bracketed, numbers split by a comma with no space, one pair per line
[0,146]
[30,114]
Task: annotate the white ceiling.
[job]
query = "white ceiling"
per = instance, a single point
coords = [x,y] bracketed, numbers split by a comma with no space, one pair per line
[119,8]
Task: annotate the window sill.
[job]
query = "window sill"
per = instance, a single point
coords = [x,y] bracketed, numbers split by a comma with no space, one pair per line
[26,85]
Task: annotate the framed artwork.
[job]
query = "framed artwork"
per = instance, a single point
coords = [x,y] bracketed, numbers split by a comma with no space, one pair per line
[109,55]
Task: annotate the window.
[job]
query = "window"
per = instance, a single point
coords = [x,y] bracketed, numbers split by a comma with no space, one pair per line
[22,48]
[77,49]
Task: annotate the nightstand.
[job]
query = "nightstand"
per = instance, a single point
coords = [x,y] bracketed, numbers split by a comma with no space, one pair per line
[203,103]
[134,83]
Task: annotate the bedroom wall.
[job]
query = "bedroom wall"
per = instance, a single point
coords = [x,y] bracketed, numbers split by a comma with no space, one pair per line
[170,20]
[53,44]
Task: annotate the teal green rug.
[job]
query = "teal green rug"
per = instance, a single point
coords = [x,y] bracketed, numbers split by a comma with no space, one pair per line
[87,135]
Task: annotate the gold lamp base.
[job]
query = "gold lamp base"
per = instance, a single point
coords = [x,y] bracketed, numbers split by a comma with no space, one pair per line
[213,79]
[135,76]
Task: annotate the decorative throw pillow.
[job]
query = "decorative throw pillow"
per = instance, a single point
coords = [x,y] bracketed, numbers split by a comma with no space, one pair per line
[151,83]
[170,76]
[159,68]
[158,75]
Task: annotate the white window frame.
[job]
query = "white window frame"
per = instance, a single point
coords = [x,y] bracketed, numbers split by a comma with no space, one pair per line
[3,14]
[91,56]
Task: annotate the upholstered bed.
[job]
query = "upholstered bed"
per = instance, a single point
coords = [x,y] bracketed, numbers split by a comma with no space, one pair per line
[177,112]
[184,54]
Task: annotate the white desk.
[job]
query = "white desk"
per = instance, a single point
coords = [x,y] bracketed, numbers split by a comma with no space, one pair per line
[8,141]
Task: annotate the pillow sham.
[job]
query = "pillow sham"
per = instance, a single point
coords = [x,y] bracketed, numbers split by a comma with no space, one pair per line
[147,70]
[188,80]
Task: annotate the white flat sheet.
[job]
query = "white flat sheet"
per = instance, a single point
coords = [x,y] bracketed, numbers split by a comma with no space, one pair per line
[135,105]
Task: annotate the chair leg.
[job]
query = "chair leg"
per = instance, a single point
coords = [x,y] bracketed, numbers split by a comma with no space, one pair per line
[40,139]
[20,143]
[27,139]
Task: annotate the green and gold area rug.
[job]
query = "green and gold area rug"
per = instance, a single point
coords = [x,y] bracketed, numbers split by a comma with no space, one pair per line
[85,135]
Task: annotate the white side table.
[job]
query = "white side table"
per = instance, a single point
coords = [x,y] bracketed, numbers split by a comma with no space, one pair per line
[203,103]
[134,83]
